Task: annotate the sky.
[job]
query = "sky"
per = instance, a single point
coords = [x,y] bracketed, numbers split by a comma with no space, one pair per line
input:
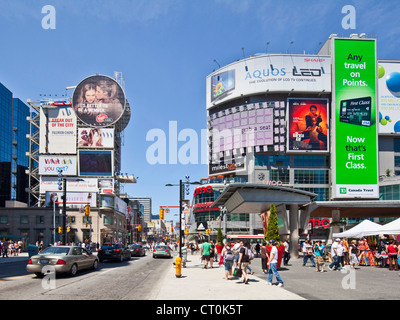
[165,49]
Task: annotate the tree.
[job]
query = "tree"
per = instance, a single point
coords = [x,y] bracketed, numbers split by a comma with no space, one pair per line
[219,236]
[273,228]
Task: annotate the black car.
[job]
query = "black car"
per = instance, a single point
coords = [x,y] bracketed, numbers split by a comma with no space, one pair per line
[137,250]
[113,251]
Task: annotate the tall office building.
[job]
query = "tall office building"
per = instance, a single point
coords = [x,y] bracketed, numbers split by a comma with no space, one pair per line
[13,147]
[146,202]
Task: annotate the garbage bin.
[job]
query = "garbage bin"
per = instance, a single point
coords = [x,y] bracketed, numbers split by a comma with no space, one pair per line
[32,250]
[184,256]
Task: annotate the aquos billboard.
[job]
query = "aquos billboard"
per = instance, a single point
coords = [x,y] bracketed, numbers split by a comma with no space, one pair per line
[99,101]
[355,152]
[269,73]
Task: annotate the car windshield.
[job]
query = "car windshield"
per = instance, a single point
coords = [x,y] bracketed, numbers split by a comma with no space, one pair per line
[134,246]
[62,251]
[109,246]
[161,248]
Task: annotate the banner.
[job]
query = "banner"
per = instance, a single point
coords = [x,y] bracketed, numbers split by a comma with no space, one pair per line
[95,138]
[50,165]
[355,155]
[307,125]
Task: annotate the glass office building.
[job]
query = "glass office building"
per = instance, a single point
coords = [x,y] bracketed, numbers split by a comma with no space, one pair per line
[13,147]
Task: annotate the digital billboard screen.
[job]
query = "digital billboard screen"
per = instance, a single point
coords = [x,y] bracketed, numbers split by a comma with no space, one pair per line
[222,83]
[308,124]
[95,163]
[98,101]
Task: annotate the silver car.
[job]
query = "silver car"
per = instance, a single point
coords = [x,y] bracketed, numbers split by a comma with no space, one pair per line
[162,251]
[62,259]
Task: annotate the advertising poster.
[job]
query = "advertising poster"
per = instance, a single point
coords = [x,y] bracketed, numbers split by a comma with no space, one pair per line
[50,165]
[389,97]
[269,73]
[96,138]
[308,121]
[74,199]
[57,130]
[355,155]
[245,128]
[73,185]
[98,101]
[95,163]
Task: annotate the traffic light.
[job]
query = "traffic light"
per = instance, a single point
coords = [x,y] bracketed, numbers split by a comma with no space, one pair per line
[139,228]
[87,210]
[59,230]
[217,221]
[68,229]
[161,214]
[186,231]
[172,229]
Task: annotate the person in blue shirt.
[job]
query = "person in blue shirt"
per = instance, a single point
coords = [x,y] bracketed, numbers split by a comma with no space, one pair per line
[319,250]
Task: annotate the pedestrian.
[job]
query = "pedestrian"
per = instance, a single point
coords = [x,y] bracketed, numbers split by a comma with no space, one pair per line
[205,253]
[392,253]
[228,257]
[286,253]
[272,265]
[353,252]
[335,256]
[236,248]
[319,250]
[264,257]
[5,249]
[346,254]
[308,253]
[341,250]
[244,258]
[257,248]
[212,253]
[218,250]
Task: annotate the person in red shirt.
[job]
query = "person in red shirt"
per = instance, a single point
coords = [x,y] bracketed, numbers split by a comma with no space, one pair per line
[392,252]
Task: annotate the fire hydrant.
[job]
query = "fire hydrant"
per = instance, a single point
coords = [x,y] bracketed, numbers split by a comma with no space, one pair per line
[178,267]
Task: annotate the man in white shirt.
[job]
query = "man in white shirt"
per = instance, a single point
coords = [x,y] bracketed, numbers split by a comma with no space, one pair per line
[272,265]
[335,251]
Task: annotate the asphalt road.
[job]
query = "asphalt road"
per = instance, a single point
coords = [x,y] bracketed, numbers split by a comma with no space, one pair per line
[129,280]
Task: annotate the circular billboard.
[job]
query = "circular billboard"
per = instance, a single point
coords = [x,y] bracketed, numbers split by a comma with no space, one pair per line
[98,101]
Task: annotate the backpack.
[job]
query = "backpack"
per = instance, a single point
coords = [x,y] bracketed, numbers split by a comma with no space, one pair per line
[250,254]
[229,256]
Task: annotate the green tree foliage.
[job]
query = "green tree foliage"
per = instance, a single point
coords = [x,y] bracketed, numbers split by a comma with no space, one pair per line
[273,228]
[219,236]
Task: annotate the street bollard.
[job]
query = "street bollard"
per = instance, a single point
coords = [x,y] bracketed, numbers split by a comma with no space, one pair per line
[178,267]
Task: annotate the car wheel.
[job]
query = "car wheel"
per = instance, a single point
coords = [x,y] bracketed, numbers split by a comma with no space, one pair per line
[95,265]
[74,270]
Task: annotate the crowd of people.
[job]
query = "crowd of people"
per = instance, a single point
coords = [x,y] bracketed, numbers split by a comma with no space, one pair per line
[237,258]
[10,248]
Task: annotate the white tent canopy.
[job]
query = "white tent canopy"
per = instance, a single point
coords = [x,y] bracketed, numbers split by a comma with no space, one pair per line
[363,229]
[389,228]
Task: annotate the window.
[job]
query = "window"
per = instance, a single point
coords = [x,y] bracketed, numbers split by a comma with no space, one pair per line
[24,219]
[280,175]
[39,219]
[311,161]
[108,220]
[311,176]
[3,219]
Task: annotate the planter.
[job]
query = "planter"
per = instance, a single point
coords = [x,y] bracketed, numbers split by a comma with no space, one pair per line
[281,250]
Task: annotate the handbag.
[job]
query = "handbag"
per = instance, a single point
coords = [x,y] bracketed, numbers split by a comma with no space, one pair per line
[237,272]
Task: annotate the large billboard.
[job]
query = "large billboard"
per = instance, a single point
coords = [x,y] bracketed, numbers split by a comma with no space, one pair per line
[248,126]
[389,97]
[73,185]
[73,199]
[98,101]
[355,152]
[269,73]
[308,121]
[57,130]
[51,165]
[96,138]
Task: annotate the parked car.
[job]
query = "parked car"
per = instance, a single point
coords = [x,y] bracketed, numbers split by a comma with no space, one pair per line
[113,251]
[162,251]
[64,259]
[137,250]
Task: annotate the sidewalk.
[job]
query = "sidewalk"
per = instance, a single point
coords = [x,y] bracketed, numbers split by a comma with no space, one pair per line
[23,256]
[197,283]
